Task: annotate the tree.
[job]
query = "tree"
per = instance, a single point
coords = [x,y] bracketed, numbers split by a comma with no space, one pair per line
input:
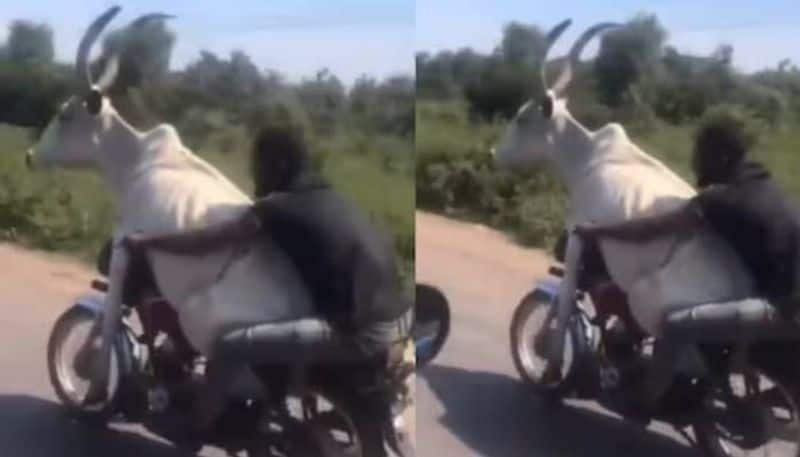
[523,45]
[500,90]
[324,98]
[144,53]
[29,43]
[387,106]
[30,95]
[723,54]
[227,82]
[466,66]
[627,55]
[435,75]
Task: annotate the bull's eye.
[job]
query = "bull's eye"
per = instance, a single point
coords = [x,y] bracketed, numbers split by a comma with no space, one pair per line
[94,101]
[546,107]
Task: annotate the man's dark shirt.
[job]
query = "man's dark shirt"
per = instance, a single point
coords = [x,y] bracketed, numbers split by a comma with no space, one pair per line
[760,223]
[348,267]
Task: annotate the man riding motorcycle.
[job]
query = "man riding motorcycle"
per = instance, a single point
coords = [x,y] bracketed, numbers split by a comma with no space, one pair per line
[738,200]
[348,267]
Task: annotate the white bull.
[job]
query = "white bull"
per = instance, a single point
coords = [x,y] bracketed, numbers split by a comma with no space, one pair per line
[161,187]
[609,179]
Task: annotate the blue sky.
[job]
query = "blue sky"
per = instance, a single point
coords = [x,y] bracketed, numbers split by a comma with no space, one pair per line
[761,32]
[295,37]
[379,37]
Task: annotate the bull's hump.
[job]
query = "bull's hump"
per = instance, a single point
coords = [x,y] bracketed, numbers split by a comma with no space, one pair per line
[610,137]
[620,190]
[166,197]
[163,137]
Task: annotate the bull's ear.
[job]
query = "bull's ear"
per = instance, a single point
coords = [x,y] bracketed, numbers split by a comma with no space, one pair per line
[546,106]
[94,101]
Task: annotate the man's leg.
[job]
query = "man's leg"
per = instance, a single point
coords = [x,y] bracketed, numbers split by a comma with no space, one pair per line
[292,343]
[301,340]
[281,343]
[212,394]
[660,373]
[728,322]
[284,343]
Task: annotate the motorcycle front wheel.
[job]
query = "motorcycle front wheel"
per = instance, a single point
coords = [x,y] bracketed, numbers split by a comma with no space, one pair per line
[531,326]
[754,414]
[69,333]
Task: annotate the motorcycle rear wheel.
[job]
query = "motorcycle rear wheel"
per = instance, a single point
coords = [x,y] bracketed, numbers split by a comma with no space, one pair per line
[762,422]
[330,419]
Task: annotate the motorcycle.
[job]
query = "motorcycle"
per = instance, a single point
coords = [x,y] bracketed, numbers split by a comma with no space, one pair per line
[729,400]
[431,323]
[352,411]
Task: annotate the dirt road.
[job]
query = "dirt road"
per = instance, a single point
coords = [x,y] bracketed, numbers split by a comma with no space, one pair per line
[469,400]
[36,288]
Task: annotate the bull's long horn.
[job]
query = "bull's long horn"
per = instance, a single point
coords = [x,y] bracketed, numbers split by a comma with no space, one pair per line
[574,55]
[94,30]
[144,19]
[109,73]
[552,37]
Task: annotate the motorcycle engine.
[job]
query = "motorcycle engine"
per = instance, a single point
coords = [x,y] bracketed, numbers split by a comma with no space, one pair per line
[175,377]
[168,361]
[619,342]
[623,362]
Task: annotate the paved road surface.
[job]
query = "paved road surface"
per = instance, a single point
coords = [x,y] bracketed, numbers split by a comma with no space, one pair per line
[469,402]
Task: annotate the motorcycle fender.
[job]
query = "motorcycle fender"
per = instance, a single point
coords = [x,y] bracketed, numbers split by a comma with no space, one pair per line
[91,302]
[547,289]
[126,344]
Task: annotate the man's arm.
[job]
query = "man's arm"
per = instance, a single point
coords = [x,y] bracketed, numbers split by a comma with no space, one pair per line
[109,325]
[566,306]
[201,240]
[645,229]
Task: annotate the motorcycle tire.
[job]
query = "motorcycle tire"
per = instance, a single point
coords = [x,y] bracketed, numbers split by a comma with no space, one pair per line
[61,329]
[532,303]
[706,437]
[361,421]
[431,306]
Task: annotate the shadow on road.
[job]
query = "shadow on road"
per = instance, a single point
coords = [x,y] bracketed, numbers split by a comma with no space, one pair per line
[34,427]
[497,417]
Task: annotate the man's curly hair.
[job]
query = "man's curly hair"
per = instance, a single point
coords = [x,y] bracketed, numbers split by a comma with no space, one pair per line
[722,141]
[279,155]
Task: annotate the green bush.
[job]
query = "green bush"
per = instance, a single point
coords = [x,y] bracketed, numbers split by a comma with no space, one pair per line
[456,175]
